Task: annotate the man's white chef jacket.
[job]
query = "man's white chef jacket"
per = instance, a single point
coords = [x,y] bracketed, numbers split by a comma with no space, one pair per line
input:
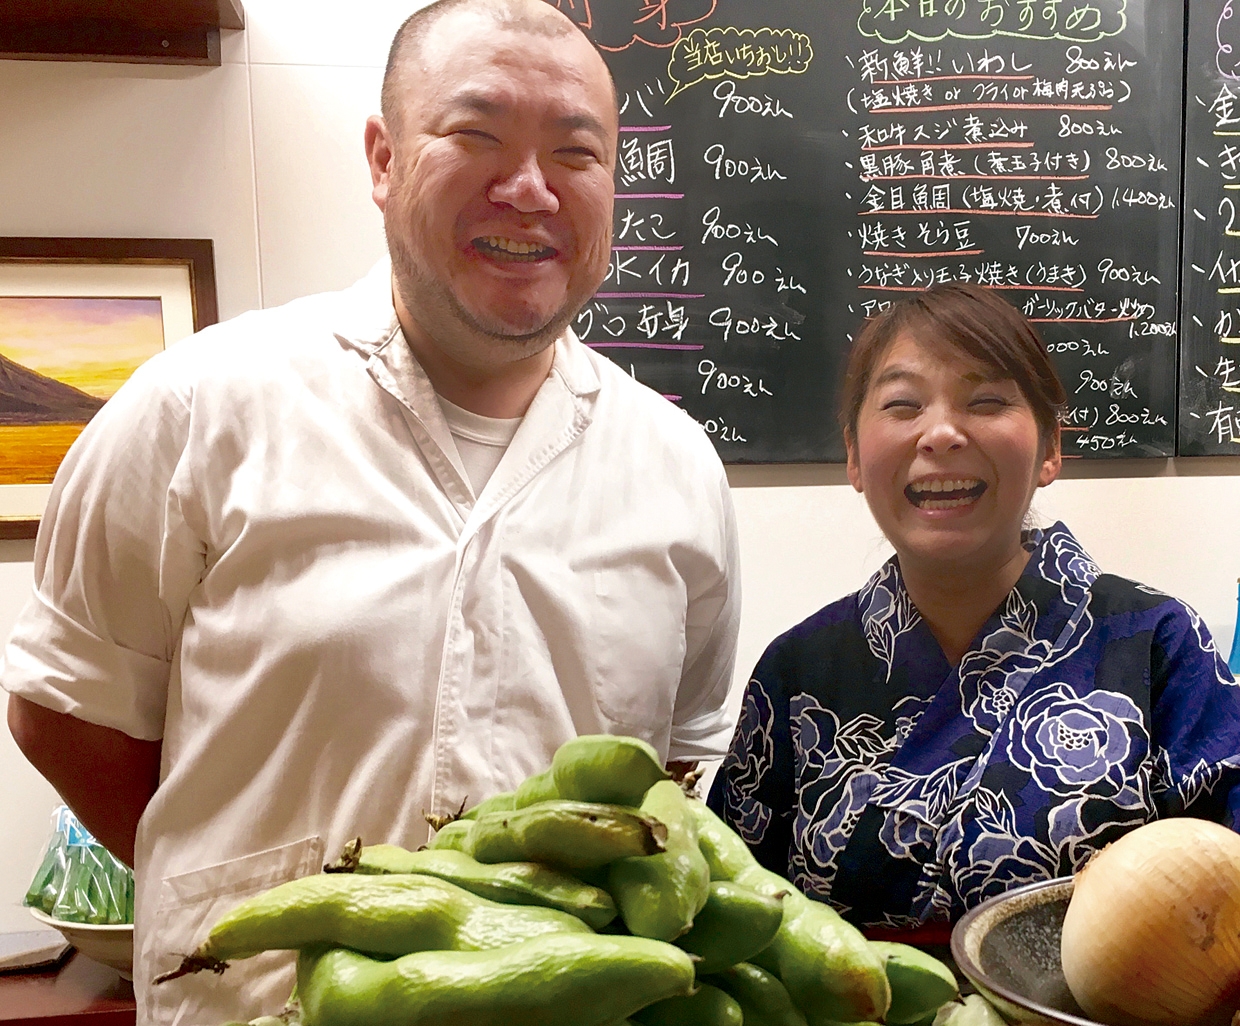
[264,550]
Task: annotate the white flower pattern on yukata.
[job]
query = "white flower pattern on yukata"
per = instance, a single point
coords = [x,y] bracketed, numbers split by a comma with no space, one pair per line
[988,675]
[837,767]
[887,612]
[997,855]
[1081,744]
[1037,750]
[747,761]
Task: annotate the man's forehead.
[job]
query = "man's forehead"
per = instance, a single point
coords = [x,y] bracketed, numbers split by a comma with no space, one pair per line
[463,42]
[529,24]
[480,60]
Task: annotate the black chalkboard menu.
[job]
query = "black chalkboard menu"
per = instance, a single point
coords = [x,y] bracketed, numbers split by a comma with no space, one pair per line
[788,168]
[1210,311]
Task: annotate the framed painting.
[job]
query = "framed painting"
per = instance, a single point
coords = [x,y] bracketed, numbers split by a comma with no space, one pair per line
[77,318]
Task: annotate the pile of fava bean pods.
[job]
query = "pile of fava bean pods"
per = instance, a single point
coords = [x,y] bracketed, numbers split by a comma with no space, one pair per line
[597,893]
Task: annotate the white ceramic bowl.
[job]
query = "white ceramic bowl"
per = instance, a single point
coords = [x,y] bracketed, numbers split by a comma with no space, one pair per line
[111,945]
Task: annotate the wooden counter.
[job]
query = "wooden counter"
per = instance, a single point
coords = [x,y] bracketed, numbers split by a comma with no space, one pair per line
[82,992]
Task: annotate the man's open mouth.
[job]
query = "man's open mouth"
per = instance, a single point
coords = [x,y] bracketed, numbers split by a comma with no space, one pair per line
[499,248]
[944,494]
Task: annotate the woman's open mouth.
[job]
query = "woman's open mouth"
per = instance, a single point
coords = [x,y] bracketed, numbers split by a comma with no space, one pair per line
[499,248]
[944,494]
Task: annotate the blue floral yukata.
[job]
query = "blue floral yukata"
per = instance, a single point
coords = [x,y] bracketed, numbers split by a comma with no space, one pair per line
[878,778]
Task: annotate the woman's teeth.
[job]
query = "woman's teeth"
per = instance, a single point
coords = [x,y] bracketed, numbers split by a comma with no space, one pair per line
[945,494]
[510,249]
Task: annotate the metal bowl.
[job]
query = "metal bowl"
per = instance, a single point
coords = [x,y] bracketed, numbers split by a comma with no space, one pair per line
[1008,948]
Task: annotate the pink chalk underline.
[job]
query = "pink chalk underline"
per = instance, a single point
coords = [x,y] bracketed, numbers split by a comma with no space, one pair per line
[966,210]
[944,253]
[952,78]
[642,345]
[650,295]
[991,106]
[918,288]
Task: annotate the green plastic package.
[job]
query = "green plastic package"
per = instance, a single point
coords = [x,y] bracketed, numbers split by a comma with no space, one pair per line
[79,880]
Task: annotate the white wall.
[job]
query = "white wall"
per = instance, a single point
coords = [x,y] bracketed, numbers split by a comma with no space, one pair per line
[264,156]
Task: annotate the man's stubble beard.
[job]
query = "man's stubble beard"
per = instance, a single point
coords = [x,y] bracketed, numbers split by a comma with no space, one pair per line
[456,331]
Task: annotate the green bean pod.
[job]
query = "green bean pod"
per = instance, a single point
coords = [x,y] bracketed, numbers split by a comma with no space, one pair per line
[734,924]
[659,895]
[381,915]
[763,999]
[505,801]
[567,835]
[539,787]
[707,1006]
[725,851]
[510,883]
[920,983]
[553,981]
[973,1010]
[829,969]
[452,836]
[606,768]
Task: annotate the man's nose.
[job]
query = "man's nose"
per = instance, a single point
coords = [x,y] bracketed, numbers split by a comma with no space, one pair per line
[942,431]
[524,188]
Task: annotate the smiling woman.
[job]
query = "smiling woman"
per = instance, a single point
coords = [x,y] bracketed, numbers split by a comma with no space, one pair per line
[951,423]
[990,708]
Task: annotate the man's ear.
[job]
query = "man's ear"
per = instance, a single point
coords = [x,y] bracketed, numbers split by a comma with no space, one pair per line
[379,154]
[854,463]
[1052,463]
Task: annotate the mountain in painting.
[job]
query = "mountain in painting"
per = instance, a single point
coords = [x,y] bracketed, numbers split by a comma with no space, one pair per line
[28,397]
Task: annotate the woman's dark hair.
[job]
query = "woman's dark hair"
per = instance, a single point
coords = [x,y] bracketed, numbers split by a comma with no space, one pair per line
[972,319]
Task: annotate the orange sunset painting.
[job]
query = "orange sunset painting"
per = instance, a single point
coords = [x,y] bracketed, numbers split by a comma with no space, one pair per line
[61,359]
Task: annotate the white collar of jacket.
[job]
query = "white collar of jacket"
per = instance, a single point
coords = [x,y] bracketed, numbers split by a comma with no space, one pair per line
[365,321]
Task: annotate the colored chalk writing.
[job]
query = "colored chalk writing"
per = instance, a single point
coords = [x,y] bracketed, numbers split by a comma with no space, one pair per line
[786,170]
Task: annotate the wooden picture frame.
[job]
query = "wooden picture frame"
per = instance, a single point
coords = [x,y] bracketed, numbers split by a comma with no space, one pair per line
[65,302]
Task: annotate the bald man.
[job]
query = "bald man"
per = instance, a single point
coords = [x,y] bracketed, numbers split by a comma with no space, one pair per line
[325,568]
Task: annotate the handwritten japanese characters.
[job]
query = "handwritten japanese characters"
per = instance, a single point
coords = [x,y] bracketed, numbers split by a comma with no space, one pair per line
[786,170]
[705,300]
[1026,146]
[1210,316]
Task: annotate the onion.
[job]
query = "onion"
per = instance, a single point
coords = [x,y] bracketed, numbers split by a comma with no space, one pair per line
[1152,933]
